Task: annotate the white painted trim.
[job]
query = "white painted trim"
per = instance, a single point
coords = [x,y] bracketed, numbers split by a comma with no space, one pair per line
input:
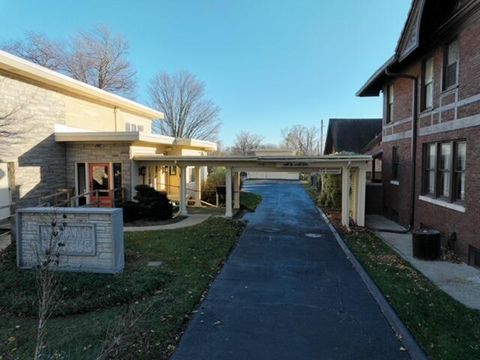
[442,203]
[398,136]
[453,125]
[395,182]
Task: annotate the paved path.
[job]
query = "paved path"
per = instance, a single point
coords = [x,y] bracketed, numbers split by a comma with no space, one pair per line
[191,220]
[460,281]
[288,292]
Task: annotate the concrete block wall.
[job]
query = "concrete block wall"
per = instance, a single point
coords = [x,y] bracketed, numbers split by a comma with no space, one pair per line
[39,162]
[98,153]
[93,238]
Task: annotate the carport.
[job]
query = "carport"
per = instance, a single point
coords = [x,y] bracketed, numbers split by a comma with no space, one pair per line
[353,169]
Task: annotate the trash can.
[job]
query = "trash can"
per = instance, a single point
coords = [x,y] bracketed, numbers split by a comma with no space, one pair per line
[426,244]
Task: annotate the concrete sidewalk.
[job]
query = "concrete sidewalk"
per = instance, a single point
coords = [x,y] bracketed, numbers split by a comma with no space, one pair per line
[191,220]
[460,281]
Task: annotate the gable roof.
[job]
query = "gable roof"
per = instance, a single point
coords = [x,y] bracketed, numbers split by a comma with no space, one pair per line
[424,21]
[350,135]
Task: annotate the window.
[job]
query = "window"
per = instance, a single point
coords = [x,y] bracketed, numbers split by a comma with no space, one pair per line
[390,99]
[444,170]
[427,91]
[395,163]
[450,70]
[430,169]
[459,171]
[133,127]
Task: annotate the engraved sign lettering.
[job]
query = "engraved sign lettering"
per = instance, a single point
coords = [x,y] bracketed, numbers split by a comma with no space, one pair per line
[79,239]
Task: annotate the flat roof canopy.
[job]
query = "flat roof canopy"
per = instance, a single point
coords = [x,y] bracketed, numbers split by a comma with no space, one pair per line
[265,163]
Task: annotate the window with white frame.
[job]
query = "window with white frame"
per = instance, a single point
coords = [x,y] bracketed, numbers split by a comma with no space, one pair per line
[133,127]
[450,70]
[444,170]
[427,93]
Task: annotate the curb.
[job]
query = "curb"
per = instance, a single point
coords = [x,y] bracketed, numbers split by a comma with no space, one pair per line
[406,337]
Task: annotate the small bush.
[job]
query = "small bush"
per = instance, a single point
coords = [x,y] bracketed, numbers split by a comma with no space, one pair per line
[151,205]
[209,189]
[331,196]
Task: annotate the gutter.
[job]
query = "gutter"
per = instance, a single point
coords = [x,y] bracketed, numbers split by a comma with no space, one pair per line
[413,144]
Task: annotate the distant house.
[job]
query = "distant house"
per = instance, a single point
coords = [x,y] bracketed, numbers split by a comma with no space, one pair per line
[262,175]
[354,136]
[431,122]
[350,135]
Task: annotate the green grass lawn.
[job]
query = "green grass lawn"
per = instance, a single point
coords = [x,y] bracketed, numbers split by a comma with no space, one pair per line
[249,201]
[445,328]
[92,304]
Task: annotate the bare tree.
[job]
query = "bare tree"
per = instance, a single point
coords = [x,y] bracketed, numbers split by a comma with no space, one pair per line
[37,48]
[303,139]
[181,97]
[246,143]
[98,58]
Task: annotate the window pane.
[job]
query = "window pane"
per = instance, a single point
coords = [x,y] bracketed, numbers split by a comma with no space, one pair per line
[429,71]
[390,94]
[445,156]
[432,156]
[431,182]
[459,186]
[429,95]
[452,57]
[445,184]
[461,156]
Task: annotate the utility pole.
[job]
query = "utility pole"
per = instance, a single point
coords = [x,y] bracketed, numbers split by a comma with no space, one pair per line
[321,137]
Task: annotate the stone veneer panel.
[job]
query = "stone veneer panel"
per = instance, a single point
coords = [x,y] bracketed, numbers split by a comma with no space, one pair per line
[39,162]
[93,238]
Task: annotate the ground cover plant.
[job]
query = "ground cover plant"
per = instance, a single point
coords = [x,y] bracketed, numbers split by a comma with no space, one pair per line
[249,201]
[92,306]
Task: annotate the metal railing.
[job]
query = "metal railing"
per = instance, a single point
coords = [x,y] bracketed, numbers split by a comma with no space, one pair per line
[64,198]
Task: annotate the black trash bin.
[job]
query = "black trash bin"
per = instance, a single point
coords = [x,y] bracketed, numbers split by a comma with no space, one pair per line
[426,244]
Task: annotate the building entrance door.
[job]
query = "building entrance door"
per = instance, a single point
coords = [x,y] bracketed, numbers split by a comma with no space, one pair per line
[100,184]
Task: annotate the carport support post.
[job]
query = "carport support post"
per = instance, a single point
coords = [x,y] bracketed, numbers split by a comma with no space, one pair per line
[228,194]
[198,187]
[361,190]
[236,190]
[346,196]
[183,190]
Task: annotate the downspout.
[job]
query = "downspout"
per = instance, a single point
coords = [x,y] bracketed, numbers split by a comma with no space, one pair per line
[413,150]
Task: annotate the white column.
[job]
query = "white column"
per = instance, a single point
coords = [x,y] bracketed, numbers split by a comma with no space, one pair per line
[183,190]
[345,196]
[236,190]
[228,193]
[361,191]
[198,186]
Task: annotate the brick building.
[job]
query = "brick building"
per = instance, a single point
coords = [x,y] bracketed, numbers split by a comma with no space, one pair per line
[431,123]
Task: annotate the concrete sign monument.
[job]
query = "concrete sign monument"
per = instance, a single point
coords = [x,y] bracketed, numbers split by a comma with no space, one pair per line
[92,238]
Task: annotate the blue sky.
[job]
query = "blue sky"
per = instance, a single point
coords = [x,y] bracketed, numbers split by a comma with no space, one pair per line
[268,64]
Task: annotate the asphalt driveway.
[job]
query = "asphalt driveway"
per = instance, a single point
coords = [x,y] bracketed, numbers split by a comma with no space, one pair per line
[288,292]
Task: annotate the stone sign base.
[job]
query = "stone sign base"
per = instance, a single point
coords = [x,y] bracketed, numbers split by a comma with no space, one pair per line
[92,238]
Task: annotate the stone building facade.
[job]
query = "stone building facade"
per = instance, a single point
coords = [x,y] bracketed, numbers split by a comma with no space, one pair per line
[431,123]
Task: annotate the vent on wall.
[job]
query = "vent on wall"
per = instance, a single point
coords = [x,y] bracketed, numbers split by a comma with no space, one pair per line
[473,256]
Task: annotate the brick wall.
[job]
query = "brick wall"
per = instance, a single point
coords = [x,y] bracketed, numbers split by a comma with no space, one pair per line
[38,160]
[441,123]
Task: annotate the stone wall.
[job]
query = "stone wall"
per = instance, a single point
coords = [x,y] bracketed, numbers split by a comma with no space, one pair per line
[39,162]
[93,238]
[97,153]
